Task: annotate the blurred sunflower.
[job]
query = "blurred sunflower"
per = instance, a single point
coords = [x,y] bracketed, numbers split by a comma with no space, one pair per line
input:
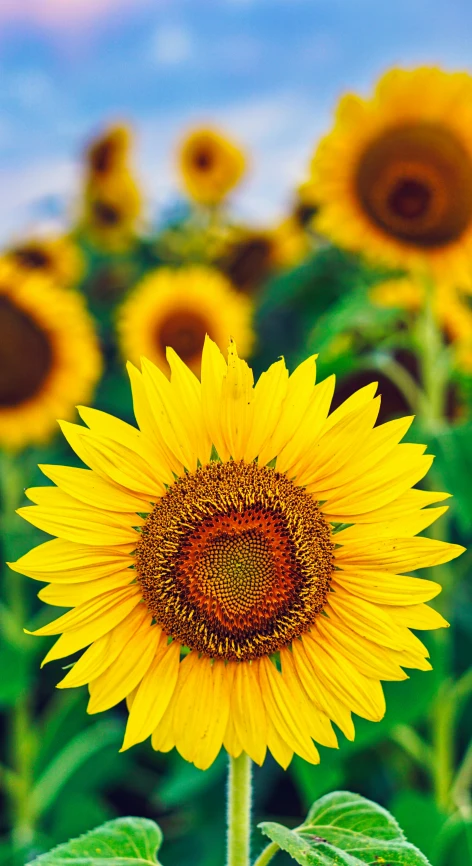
[250,257]
[176,308]
[210,569]
[49,356]
[108,153]
[394,176]
[112,210]
[58,258]
[210,166]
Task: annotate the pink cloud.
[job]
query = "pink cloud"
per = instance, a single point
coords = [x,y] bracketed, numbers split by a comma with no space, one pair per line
[63,14]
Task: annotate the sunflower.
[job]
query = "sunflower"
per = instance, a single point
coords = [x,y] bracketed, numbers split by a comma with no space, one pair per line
[112,210]
[236,566]
[394,176]
[108,153]
[58,258]
[49,356]
[250,257]
[210,166]
[176,308]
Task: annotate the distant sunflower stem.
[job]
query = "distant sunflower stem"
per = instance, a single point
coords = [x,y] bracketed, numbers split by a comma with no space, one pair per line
[434,372]
[267,854]
[401,378]
[239,811]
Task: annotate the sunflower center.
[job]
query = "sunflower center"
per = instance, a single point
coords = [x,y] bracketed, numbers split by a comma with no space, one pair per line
[106,214]
[203,159]
[32,257]
[102,156]
[184,331]
[415,182]
[25,355]
[248,263]
[235,561]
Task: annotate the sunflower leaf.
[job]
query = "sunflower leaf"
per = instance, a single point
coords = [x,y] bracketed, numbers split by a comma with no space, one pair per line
[122,842]
[344,829]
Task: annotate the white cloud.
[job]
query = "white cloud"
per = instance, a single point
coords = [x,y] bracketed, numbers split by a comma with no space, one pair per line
[26,189]
[172,45]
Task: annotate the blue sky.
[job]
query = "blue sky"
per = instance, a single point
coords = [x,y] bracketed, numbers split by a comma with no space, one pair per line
[267,71]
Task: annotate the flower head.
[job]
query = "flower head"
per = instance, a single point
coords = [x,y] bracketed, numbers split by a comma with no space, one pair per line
[394,176]
[58,258]
[111,210]
[49,356]
[176,307]
[210,166]
[236,566]
[108,152]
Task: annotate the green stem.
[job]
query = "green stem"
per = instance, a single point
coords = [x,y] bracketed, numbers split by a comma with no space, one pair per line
[443,738]
[266,855]
[239,810]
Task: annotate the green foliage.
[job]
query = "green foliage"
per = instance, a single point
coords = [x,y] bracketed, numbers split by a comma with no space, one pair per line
[344,829]
[124,842]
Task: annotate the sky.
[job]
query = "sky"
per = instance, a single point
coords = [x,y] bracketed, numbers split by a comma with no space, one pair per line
[268,72]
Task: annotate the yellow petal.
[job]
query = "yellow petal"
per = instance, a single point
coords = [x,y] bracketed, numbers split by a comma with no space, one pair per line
[280,750]
[418,616]
[84,526]
[362,694]
[277,700]
[92,489]
[153,695]
[407,503]
[208,746]
[293,455]
[126,671]
[319,725]
[188,398]
[162,739]
[410,525]
[323,698]
[237,409]
[248,711]
[378,487]
[96,614]
[299,392]
[214,369]
[73,594]
[371,659]
[353,403]
[166,415]
[369,620]
[99,656]
[146,420]
[269,394]
[230,739]
[335,448]
[397,554]
[382,587]
[63,561]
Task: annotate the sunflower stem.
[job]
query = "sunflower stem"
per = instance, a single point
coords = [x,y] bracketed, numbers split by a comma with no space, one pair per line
[239,810]
[267,854]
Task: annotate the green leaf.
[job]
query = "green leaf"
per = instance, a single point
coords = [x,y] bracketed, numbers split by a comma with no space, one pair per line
[123,842]
[344,829]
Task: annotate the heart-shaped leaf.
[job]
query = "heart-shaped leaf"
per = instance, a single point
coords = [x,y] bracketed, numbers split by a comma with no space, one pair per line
[123,842]
[344,829]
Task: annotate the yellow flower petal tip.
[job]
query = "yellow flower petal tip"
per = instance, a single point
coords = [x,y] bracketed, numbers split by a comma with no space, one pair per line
[239,559]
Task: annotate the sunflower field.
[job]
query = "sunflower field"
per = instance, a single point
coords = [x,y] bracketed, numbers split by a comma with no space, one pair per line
[236,505]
